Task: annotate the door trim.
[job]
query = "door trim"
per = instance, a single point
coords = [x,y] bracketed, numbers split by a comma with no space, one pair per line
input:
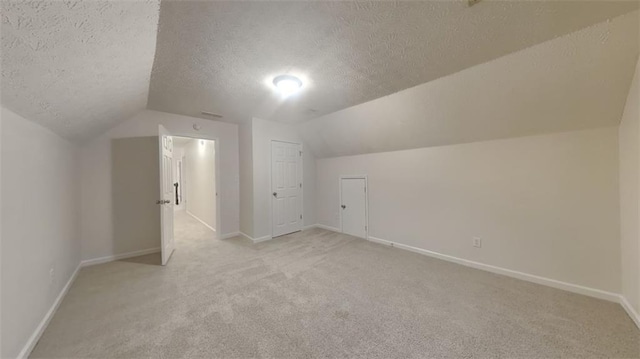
[366,200]
[271,182]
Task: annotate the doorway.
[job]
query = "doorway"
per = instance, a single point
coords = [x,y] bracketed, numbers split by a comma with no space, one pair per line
[354,206]
[195,195]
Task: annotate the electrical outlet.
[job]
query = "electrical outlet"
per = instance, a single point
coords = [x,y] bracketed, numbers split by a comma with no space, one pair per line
[477,242]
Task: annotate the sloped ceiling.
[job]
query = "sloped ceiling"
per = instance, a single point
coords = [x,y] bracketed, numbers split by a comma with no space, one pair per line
[219,56]
[80,67]
[77,67]
[577,81]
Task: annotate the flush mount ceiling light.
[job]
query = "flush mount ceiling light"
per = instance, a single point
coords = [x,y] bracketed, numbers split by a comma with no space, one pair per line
[287,84]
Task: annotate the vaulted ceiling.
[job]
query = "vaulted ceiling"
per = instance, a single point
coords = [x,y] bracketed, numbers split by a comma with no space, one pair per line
[77,67]
[80,67]
[219,56]
[578,81]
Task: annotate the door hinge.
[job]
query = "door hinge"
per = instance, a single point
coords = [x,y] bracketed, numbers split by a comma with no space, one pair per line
[365,190]
[365,228]
[300,153]
[300,185]
[300,216]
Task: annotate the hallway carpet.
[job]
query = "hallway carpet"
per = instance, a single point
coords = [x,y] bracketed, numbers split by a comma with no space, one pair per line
[321,294]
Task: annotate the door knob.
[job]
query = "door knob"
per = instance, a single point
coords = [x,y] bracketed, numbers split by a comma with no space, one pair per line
[275,194]
[343,206]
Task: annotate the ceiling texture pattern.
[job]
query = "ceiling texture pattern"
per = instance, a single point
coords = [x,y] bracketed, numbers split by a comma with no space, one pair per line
[77,67]
[578,81]
[219,56]
[81,67]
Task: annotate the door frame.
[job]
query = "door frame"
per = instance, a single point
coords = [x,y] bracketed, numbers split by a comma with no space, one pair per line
[366,200]
[218,231]
[271,181]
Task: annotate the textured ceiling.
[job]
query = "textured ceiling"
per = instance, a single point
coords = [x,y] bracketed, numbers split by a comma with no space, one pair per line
[216,56]
[577,81]
[77,67]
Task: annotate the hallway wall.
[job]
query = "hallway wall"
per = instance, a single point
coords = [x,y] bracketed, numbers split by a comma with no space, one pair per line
[200,165]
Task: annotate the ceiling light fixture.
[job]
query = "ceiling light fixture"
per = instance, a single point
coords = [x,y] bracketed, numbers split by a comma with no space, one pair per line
[287,84]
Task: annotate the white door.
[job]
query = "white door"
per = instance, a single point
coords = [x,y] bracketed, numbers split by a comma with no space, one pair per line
[286,186]
[353,195]
[166,194]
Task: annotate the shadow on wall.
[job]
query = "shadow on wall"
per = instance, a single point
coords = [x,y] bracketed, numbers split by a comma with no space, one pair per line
[135,180]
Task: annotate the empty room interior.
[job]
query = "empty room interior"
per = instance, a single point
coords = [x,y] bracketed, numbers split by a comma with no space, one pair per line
[321,179]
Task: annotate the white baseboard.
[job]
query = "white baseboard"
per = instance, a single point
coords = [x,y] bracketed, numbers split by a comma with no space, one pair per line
[33,339]
[201,221]
[106,259]
[256,240]
[328,228]
[575,288]
[309,227]
[230,235]
[630,311]
[261,239]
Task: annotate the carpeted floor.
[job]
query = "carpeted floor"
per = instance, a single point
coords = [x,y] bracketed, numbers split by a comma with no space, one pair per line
[321,294]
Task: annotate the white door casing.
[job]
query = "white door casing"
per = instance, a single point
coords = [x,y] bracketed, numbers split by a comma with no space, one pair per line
[167,195]
[353,206]
[286,186]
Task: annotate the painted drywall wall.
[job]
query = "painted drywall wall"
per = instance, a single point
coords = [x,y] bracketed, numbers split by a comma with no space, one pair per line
[263,132]
[629,134]
[545,205]
[573,82]
[200,159]
[96,205]
[245,139]
[135,187]
[39,225]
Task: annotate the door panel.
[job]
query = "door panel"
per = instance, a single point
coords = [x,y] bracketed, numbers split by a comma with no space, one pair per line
[166,194]
[353,206]
[286,182]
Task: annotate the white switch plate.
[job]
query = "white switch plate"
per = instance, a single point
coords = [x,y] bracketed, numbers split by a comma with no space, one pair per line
[477,242]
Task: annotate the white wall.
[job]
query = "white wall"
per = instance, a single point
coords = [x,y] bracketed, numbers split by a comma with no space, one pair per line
[200,159]
[263,132]
[245,138]
[39,225]
[135,189]
[96,205]
[545,205]
[629,133]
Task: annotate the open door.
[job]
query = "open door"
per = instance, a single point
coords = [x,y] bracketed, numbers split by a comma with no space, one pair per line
[166,193]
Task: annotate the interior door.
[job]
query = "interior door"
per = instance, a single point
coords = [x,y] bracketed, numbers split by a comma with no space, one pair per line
[166,194]
[286,185]
[353,194]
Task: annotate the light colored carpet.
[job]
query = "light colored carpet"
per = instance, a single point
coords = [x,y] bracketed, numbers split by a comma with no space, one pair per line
[321,294]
